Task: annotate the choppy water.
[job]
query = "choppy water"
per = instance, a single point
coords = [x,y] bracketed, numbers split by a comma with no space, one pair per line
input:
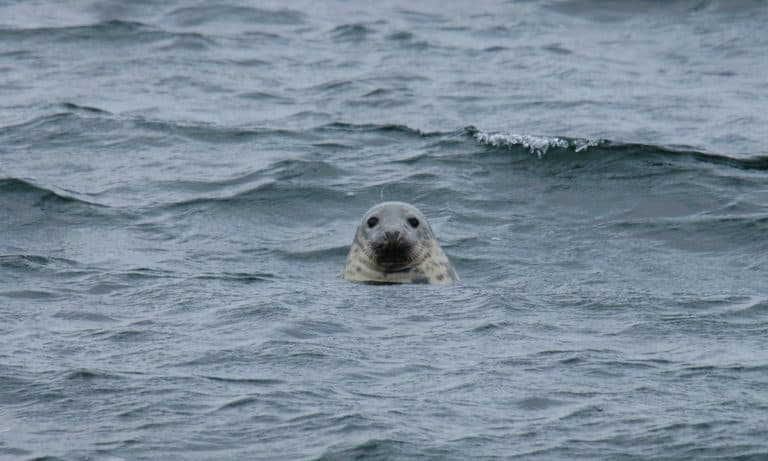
[180,181]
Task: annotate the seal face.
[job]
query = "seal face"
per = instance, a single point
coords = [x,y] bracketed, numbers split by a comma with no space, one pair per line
[394,244]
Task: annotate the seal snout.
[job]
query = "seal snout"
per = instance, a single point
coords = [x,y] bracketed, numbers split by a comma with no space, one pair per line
[392,249]
[392,235]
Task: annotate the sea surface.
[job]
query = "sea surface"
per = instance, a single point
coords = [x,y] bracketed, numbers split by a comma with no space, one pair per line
[180,182]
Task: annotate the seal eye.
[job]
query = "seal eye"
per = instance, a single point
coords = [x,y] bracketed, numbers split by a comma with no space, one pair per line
[372,221]
[413,222]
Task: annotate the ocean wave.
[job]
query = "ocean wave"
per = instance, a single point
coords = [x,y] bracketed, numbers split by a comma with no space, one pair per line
[113,30]
[28,262]
[606,11]
[270,194]
[199,15]
[544,146]
[376,449]
[40,194]
[314,254]
[244,277]
[538,145]
[74,117]
[353,33]
[114,24]
[379,128]
[282,180]
[541,146]
[86,109]
[36,122]
[76,120]
[712,232]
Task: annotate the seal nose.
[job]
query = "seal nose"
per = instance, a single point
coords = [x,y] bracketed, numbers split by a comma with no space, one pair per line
[391,236]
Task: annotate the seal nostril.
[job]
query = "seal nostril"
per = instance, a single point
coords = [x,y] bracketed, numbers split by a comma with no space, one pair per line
[391,235]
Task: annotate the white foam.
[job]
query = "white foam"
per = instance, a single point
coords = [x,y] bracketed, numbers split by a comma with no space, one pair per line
[538,145]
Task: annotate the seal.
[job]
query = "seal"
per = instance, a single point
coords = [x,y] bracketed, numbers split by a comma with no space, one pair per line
[394,244]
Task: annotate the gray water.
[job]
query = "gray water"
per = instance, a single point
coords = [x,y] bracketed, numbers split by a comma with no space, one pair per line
[180,183]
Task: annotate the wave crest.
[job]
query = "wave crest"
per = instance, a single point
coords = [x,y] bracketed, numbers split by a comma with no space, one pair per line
[538,145]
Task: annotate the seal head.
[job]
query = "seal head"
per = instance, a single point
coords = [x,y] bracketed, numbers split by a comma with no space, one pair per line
[395,244]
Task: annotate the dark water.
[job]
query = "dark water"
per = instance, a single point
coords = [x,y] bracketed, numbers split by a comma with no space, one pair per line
[180,181]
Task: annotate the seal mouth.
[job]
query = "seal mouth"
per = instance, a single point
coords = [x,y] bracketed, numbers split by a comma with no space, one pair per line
[393,255]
